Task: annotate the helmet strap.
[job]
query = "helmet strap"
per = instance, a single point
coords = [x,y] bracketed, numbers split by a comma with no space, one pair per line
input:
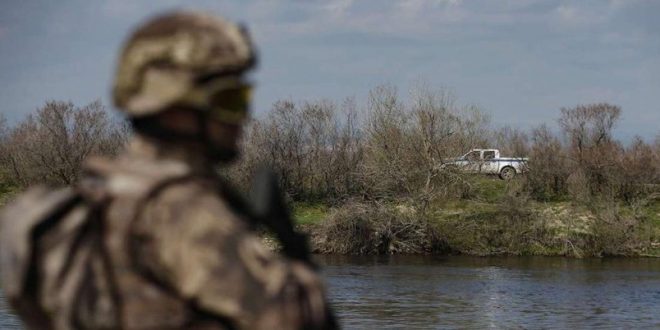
[202,133]
[215,153]
[149,126]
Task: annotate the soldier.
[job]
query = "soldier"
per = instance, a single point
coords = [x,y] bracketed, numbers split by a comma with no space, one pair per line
[154,239]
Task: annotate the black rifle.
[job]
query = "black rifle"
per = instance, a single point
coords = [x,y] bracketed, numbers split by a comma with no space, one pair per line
[269,208]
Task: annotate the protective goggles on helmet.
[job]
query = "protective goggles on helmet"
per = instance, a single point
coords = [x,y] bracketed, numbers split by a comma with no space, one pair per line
[225,100]
[230,105]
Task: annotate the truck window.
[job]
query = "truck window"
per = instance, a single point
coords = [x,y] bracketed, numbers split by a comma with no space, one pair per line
[489,155]
[473,156]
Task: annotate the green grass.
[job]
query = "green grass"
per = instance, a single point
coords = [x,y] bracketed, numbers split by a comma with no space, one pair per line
[309,214]
[478,224]
[6,192]
[489,188]
[652,211]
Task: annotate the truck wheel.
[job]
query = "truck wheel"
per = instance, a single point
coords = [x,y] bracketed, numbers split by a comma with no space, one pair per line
[507,173]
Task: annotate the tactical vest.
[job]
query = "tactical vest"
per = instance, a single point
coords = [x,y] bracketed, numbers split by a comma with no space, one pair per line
[67,255]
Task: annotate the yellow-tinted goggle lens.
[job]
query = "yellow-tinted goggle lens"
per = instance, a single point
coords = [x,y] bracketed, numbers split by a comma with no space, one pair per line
[231,105]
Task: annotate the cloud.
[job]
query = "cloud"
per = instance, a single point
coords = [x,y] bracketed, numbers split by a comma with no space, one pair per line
[339,7]
[400,18]
[120,8]
[528,56]
[568,13]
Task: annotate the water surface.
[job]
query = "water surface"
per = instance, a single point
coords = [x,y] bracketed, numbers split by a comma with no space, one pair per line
[406,292]
[471,292]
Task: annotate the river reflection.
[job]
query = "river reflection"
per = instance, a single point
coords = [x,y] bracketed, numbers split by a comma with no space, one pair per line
[406,292]
[7,319]
[469,292]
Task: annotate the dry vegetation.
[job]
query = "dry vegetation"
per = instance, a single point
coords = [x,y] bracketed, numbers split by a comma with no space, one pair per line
[50,145]
[378,169]
[369,178]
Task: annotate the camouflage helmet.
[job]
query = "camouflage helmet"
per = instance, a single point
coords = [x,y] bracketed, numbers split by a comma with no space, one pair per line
[181,59]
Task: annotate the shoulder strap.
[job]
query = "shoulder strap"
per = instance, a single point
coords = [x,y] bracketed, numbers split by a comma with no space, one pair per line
[22,224]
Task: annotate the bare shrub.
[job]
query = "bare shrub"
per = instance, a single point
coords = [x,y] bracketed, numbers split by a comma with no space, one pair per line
[388,170]
[348,230]
[405,146]
[512,228]
[49,146]
[314,146]
[512,141]
[348,153]
[548,166]
[373,165]
[588,130]
[372,228]
[591,165]
[577,186]
[392,151]
[3,128]
[637,171]
[4,159]
[620,234]
[440,131]
[473,130]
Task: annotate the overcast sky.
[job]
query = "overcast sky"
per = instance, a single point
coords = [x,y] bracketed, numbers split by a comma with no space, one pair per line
[519,60]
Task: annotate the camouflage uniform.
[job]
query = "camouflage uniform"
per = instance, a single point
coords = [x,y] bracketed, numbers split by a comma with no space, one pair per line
[154,239]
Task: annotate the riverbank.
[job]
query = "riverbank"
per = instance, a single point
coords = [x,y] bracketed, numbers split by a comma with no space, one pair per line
[488,224]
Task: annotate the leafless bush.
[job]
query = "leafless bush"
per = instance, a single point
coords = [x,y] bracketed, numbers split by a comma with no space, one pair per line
[548,166]
[512,141]
[3,127]
[637,171]
[591,148]
[314,146]
[512,228]
[591,165]
[348,230]
[405,145]
[392,151]
[620,234]
[388,151]
[49,146]
[388,164]
[442,130]
[4,172]
[373,228]
[392,157]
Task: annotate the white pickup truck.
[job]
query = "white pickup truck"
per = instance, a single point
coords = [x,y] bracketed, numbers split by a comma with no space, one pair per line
[488,161]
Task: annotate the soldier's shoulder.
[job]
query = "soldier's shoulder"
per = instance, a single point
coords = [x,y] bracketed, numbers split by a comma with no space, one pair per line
[192,196]
[33,205]
[195,203]
[20,221]
[126,176]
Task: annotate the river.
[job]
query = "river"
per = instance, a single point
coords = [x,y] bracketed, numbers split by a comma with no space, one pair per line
[514,292]
[406,292]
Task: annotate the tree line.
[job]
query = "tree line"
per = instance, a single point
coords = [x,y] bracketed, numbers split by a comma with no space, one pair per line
[377,170]
[393,150]
[49,145]
[387,149]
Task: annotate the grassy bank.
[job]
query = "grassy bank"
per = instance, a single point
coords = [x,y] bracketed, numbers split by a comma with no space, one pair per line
[491,221]
[6,192]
